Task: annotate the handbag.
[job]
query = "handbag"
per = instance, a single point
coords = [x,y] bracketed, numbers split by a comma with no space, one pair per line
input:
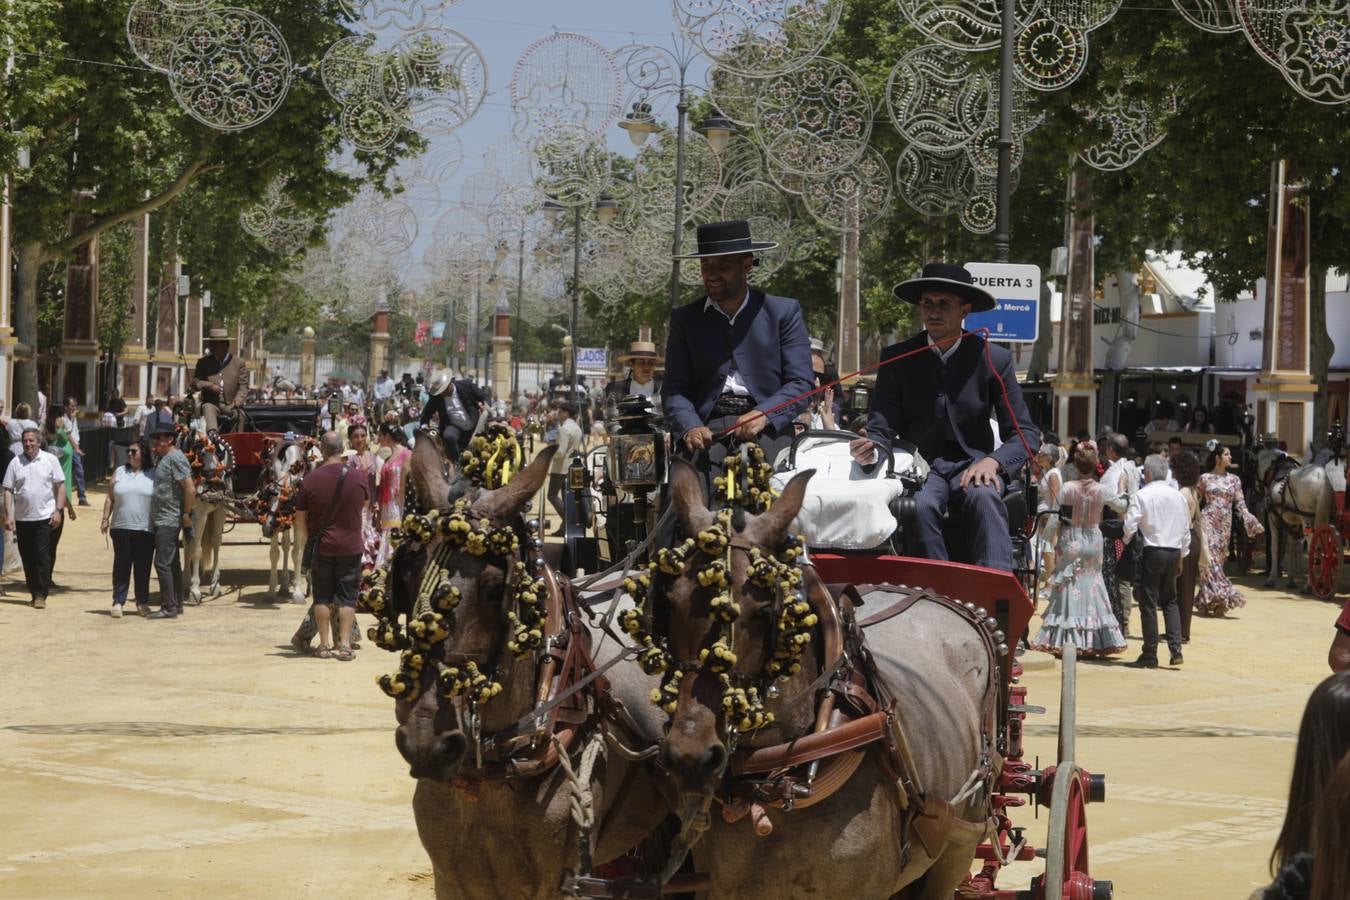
[1129,563]
[312,544]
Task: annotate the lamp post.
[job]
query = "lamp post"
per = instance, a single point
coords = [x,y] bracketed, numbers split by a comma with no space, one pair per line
[520,309]
[1003,188]
[656,70]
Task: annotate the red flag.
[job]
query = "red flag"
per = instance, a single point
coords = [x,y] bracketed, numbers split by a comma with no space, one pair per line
[420,335]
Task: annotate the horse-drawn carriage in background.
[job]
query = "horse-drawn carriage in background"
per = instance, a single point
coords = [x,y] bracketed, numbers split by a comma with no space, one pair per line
[240,479]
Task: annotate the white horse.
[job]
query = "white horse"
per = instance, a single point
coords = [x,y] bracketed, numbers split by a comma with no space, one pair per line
[212,469]
[1299,496]
[287,465]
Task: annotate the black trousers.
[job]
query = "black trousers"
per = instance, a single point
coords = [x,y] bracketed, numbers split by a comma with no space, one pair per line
[453,438]
[37,548]
[557,485]
[132,550]
[1155,588]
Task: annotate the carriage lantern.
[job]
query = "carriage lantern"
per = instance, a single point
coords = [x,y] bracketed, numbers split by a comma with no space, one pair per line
[637,453]
[335,404]
[859,398]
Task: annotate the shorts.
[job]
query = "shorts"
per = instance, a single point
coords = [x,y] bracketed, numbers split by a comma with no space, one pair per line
[335,579]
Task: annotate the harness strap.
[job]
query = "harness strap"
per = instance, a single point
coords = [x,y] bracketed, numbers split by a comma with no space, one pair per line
[817,745]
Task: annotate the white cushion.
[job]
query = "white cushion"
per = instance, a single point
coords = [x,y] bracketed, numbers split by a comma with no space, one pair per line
[845,514]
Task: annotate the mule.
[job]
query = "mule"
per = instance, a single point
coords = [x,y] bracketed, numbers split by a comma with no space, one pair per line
[855,842]
[1297,497]
[497,821]
[284,470]
[212,465]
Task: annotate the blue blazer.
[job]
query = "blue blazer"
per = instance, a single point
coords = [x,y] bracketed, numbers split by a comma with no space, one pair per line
[917,397]
[768,345]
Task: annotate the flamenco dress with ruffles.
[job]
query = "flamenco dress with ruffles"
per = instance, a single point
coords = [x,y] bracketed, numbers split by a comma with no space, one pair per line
[1079,609]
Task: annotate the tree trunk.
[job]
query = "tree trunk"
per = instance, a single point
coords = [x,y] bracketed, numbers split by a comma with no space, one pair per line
[1320,348]
[25,324]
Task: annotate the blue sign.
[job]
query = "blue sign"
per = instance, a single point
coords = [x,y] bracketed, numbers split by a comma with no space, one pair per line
[1016,319]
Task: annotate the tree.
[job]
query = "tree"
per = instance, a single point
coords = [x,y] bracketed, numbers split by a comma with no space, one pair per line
[96,120]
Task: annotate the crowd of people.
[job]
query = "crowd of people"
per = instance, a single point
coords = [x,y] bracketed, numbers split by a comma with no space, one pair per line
[1119,534]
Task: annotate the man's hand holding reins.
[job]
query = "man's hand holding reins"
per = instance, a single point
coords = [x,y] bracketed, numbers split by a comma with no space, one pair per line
[698,438]
[749,425]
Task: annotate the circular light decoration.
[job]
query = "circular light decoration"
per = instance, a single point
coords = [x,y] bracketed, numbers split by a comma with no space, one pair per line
[387,226]
[565,80]
[1085,15]
[186,5]
[653,188]
[230,69]
[399,15]
[759,38]
[1315,53]
[1133,128]
[572,167]
[937,99]
[1049,55]
[153,27]
[930,182]
[735,96]
[979,212]
[853,198]
[1214,16]
[354,68]
[982,151]
[275,221]
[963,24]
[816,119]
[445,79]
[370,123]
[1263,23]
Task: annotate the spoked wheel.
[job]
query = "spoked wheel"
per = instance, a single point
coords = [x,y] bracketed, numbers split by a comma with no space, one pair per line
[1068,702]
[1324,561]
[1066,851]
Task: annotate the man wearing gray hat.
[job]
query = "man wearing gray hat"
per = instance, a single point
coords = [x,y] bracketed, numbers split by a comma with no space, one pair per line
[219,376]
[939,396]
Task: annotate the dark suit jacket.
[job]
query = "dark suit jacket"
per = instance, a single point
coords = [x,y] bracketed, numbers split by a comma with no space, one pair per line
[916,397]
[470,394]
[768,345]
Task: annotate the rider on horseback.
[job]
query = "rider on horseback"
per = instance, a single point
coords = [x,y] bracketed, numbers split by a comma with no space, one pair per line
[219,377]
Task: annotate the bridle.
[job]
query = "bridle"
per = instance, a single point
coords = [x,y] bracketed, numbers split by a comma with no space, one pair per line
[707,557]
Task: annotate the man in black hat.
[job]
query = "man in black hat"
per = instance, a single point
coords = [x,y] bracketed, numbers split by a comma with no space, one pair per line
[739,360]
[940,397]
[220,377]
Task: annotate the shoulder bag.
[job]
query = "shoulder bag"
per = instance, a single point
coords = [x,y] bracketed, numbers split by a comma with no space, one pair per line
[312,544]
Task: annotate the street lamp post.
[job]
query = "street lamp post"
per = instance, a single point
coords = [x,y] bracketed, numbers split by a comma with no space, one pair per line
[576,295]
[1003,213]
[646,68]
[520,309]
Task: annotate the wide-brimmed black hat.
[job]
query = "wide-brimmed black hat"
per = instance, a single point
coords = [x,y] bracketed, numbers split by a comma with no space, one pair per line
[164,428]
[946,277]
[726,239]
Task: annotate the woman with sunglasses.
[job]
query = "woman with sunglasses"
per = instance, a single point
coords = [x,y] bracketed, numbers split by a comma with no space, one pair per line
[126,516]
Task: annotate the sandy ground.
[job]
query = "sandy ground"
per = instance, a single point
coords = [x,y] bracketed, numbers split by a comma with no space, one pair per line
[202,758]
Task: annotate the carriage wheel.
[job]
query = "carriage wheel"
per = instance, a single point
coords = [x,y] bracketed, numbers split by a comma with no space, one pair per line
[1068,702]
[1324,561]
[1066,849]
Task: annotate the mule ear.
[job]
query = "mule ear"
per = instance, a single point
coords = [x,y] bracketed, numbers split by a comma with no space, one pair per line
[429,474]
[773,524]
[510,499]
[686,490]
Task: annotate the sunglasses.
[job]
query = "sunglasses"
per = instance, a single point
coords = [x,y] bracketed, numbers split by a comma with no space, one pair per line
[133,450]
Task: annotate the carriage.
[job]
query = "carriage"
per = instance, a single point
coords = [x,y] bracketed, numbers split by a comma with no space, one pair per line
[1326,547]
[1066,787]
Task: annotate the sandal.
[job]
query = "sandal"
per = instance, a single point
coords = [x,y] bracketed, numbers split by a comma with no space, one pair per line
[324,653]
[345,654]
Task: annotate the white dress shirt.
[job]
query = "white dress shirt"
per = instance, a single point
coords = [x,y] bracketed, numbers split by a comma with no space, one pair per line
[945,355]
[1161,516]
[1122,476]
[32,481]
[734,384]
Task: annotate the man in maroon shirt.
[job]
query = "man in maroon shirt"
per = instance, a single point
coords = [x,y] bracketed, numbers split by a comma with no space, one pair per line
[335,517]
[1339,656]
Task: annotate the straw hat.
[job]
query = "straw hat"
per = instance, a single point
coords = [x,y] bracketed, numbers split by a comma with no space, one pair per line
[641,350]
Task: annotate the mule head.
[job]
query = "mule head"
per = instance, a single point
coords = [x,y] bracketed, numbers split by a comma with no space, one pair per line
[720,617]
[430,735]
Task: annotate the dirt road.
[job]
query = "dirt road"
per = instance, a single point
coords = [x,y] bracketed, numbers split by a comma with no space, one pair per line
[202,758]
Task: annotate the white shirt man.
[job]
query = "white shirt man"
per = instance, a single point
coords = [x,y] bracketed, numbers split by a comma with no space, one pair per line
[384,388]
[35,500]
[1163,520]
